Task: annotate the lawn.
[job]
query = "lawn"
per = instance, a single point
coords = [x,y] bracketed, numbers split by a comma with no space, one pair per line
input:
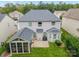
[52,51]
[2,49]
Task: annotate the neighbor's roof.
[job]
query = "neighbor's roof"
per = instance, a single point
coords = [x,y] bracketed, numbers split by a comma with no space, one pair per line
[25,34]
[59,13]
[72,13]
[39,15]
[15,12]
[1,16]
[54,30]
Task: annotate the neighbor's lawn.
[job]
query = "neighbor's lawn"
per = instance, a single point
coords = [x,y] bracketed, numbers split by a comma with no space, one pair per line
[52,51]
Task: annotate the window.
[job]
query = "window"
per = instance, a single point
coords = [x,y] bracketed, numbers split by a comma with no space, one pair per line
[19,46]
[39,23]
[53,23]
[39,30]
[30,23]
[54,36]
[25,45]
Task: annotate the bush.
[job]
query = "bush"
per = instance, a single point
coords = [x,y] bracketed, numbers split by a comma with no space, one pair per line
[70,41]
[58,42]
[7,47]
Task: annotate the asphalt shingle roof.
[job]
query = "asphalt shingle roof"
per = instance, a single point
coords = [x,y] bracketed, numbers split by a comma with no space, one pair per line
[72,13]
[39,15]
[25,34]
[1,16]
[55,30]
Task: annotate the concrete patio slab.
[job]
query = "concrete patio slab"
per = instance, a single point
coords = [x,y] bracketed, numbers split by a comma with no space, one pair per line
[39,43]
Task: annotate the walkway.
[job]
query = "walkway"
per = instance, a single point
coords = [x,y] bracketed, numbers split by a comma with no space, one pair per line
[5,54]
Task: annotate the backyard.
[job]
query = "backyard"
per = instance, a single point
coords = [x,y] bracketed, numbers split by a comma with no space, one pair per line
[52,51]
[70,42]
[56,51]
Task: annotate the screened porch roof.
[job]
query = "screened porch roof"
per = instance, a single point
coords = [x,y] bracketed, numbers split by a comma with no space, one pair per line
[25,34]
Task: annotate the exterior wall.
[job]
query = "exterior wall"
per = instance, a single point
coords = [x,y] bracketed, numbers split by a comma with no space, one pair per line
[7,28]
[71,26]
[45,26]
[51,38]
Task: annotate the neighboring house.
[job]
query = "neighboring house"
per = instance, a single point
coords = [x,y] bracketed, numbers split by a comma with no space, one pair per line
[7,27]
[15,15]
[39,25]
[70,21]
[59,13]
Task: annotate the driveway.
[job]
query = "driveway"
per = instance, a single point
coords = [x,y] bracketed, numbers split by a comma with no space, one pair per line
[39,43]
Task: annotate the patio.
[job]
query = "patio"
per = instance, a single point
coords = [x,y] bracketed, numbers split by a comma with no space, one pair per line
[40,43]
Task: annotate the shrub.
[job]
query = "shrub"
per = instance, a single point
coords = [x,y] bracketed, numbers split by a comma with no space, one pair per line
[58,42]
[7,47]
[70,41]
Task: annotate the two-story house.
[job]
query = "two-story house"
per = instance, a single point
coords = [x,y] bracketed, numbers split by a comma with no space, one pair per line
[7,27]
[40,25]
[41,22]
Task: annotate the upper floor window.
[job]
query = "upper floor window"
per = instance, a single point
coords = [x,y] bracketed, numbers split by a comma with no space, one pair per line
[53,23]
[39,23]
[30,23]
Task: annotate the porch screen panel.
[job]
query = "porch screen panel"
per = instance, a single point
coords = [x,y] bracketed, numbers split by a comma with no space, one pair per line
[19,47]
[25,45]
[13,47]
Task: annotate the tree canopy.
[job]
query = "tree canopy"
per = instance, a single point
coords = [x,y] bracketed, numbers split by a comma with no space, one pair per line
[9,7]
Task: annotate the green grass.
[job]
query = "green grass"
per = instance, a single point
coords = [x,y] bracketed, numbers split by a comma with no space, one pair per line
[52,51]
[2,49]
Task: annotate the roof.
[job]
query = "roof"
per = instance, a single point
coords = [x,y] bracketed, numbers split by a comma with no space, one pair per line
[39,15]
[25,34]
[54,30]
[1,16]
[72,13]
[59,13]
[16,12]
